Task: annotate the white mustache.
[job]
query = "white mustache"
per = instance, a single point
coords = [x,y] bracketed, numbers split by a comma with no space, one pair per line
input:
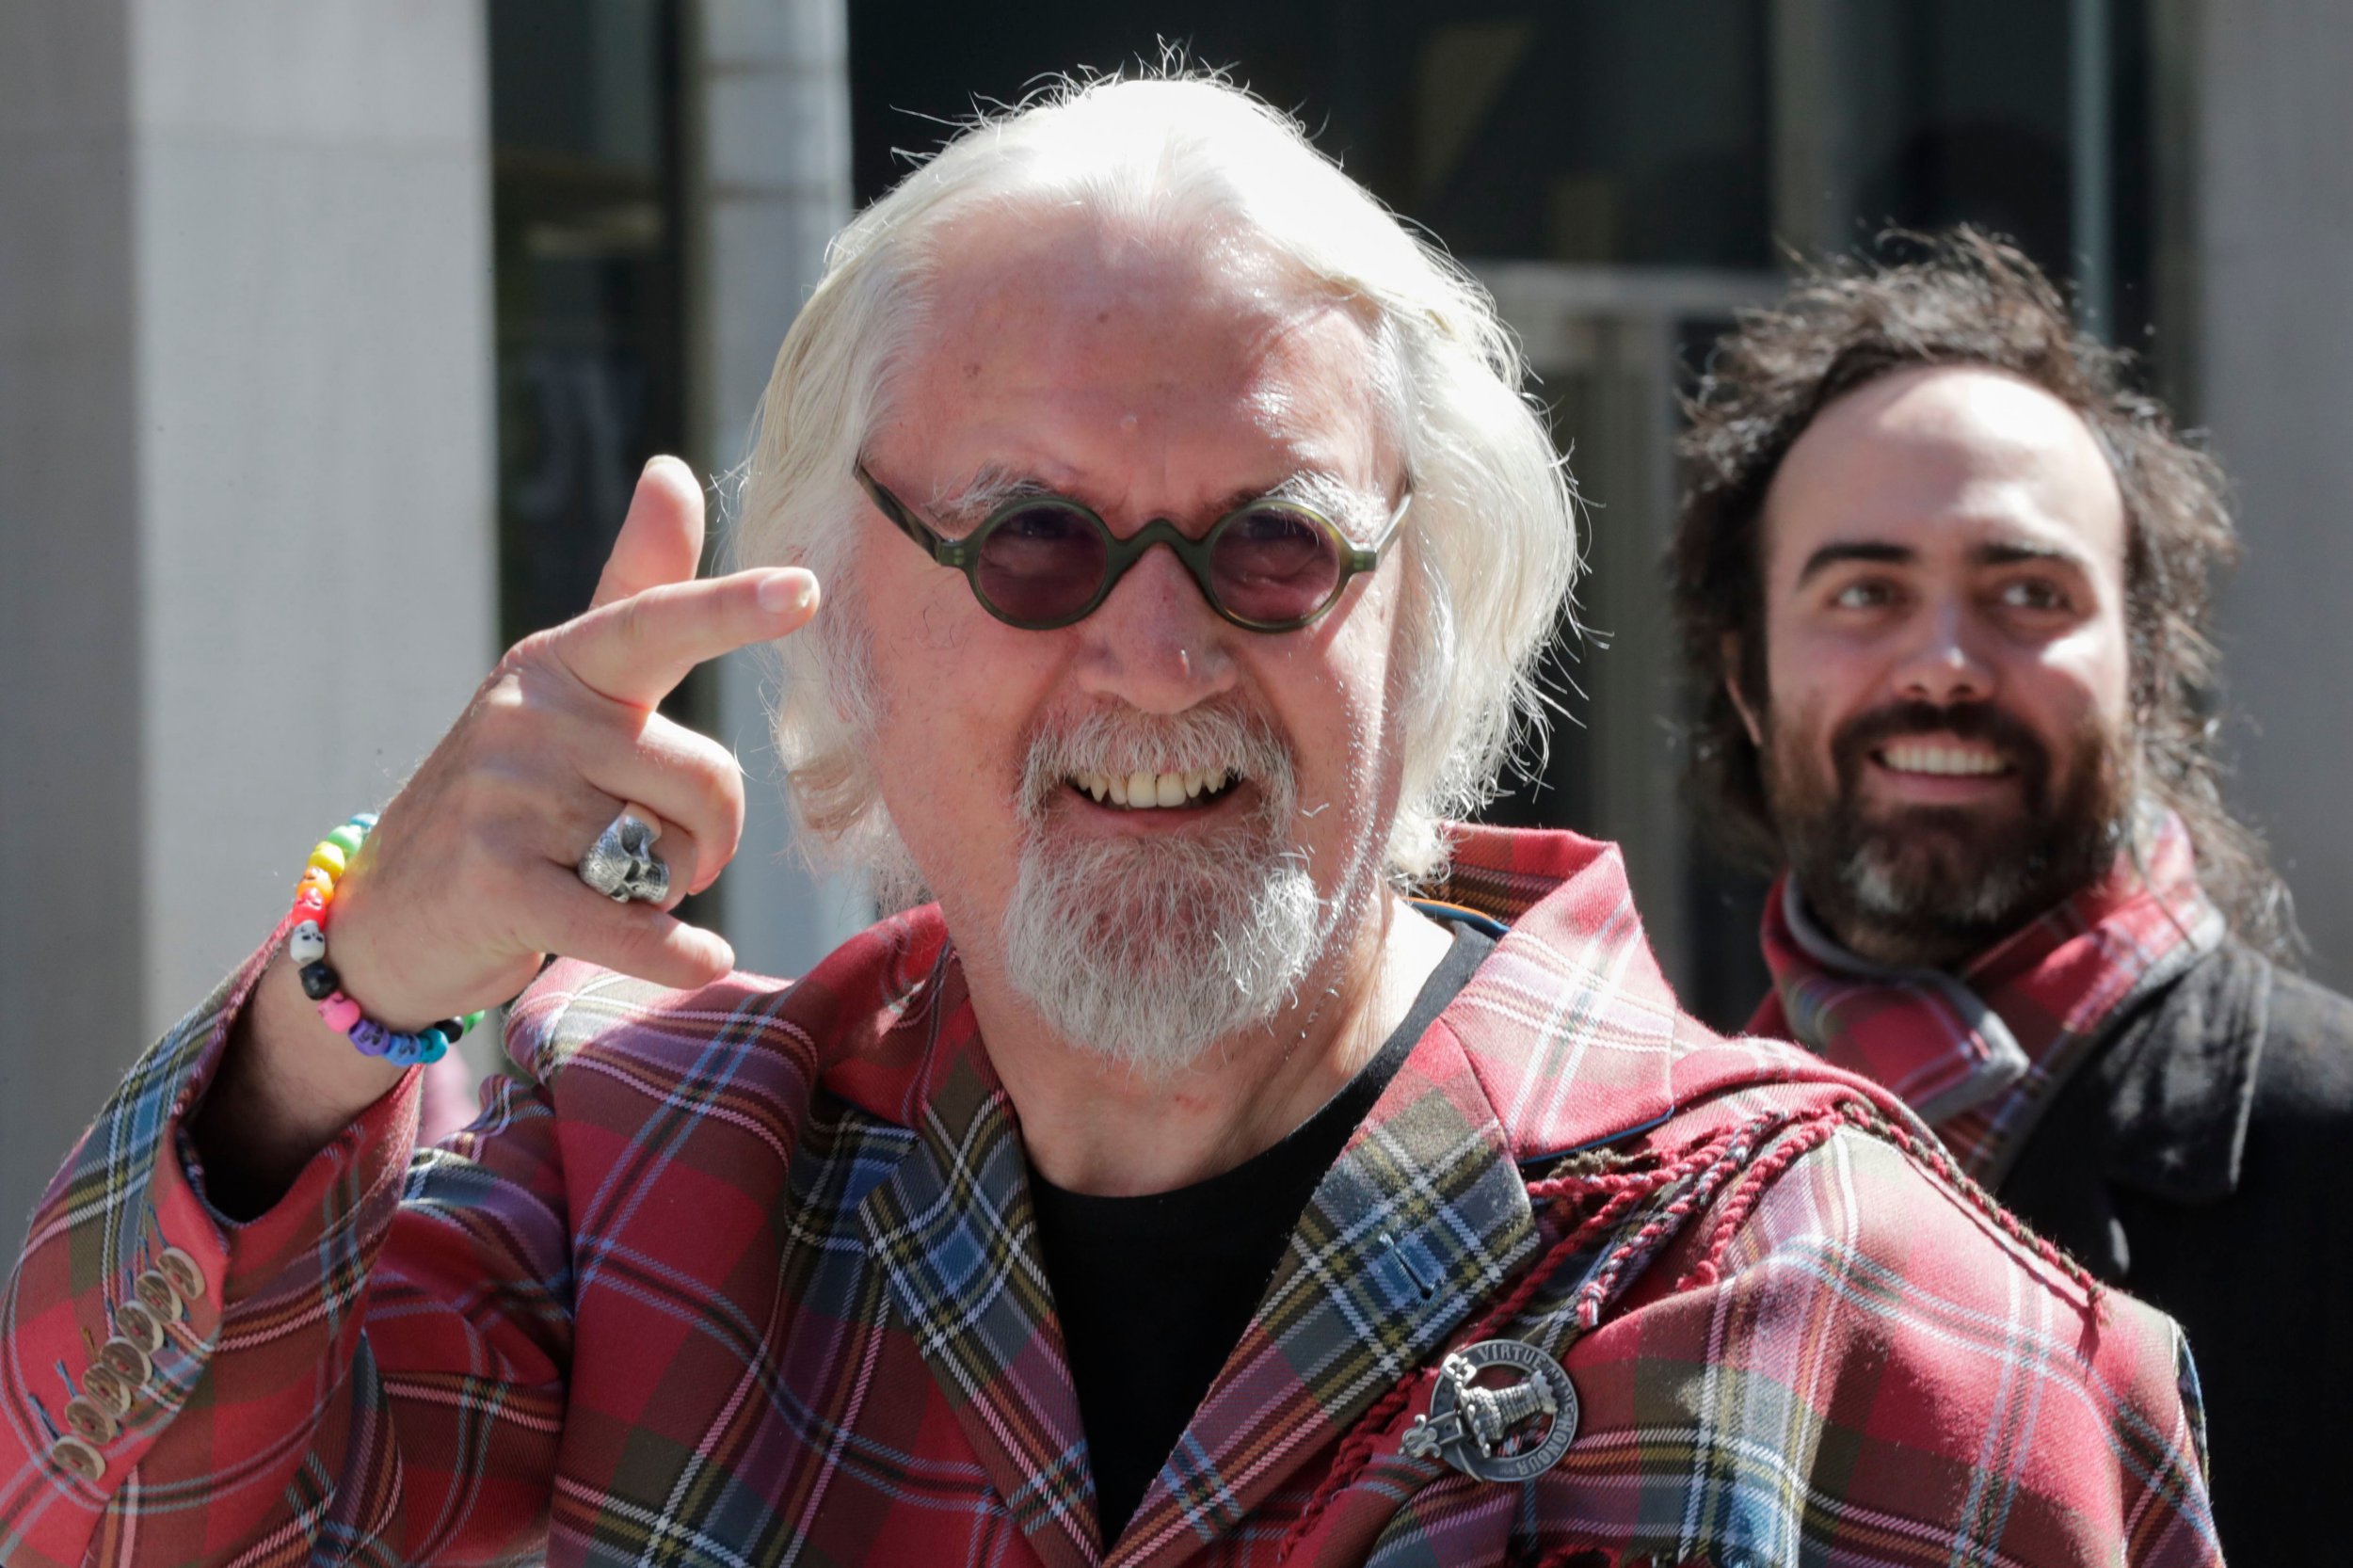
[1122,742]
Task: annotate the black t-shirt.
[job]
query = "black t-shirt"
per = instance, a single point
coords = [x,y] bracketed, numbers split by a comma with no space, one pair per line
[1154,1292]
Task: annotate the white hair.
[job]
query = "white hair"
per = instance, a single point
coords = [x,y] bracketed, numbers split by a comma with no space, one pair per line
[1489,547]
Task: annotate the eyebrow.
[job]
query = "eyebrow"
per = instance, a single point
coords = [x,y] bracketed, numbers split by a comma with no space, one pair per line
[995,484]
[2015,554]
[991,487]
[1832,556]
[2005,554]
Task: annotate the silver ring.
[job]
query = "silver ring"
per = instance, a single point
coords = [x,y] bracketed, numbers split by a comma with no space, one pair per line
[622,864]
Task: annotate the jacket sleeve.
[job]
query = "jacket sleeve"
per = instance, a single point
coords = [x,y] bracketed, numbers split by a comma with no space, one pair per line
[331,1377]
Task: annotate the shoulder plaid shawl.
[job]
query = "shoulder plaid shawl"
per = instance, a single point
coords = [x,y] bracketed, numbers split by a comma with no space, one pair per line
[748,1276]
[1979,1054]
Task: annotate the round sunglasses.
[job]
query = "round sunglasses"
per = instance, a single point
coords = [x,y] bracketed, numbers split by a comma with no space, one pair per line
[1042,561]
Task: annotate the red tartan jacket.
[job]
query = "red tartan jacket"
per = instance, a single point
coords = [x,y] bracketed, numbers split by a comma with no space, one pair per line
[749,1275]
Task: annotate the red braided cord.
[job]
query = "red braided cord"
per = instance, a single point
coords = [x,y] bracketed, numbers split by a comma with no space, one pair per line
[1348,1461]
[1729,1155]
[1933,1155]
[1742,1199]
[1356,1451]
[1711,1160]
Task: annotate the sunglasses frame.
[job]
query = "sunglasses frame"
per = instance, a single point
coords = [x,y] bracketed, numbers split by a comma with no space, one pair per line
[963,554]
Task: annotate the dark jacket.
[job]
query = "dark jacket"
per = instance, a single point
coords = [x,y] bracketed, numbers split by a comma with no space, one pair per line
[2203,1160]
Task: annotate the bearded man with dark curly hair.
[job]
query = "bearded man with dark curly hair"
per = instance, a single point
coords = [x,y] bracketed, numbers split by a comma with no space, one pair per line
[1943,580]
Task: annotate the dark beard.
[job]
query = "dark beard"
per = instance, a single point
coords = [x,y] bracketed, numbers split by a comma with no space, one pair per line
[1928,885]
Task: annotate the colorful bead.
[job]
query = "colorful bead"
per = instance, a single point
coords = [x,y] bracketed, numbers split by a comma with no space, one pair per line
[307,942]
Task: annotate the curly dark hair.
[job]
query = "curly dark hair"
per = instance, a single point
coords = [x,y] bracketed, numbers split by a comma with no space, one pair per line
[1961,297]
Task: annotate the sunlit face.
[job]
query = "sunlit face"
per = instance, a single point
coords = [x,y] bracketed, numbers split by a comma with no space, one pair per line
[1146,385]
[1947,708]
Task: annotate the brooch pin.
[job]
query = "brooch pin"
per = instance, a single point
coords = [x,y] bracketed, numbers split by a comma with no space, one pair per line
[1504,1429]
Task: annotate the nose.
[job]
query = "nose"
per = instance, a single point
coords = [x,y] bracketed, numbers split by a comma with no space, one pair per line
[1943,662]
[1155,644]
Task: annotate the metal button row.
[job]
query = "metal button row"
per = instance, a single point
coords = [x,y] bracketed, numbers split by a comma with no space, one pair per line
[126,1362]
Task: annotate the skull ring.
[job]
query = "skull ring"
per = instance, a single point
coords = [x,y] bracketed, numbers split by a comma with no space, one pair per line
[622,864]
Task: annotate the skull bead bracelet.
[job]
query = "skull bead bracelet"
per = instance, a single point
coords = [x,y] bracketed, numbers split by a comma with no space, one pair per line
[305,929]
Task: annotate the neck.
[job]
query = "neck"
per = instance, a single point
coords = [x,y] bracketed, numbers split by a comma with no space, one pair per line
[1094,1126]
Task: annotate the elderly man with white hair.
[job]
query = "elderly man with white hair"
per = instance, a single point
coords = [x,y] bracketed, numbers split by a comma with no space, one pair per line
[1171,1184]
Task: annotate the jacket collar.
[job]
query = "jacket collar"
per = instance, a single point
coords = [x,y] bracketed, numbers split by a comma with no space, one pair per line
[2181,1079]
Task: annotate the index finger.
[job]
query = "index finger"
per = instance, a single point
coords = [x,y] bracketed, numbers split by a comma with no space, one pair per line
[635,649]
[661,537]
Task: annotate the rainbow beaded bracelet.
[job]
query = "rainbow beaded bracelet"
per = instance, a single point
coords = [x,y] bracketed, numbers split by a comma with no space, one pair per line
[306,944]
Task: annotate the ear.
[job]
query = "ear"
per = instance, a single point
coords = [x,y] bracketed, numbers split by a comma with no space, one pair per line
[1734,689]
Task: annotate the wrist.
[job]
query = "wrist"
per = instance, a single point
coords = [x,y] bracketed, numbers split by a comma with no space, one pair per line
[399,1039]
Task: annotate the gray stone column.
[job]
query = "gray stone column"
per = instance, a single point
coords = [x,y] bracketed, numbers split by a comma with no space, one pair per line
[244,486]
[772,186]
[2275,341]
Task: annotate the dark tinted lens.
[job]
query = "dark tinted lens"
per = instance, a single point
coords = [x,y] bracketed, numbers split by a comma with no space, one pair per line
[1041,562]
[1272,563]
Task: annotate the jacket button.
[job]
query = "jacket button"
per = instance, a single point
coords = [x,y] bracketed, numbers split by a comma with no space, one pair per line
[155,1294]
[78,1457]
[128,1360]
[138,1325]
[109,1388]
[181,1270]
[88,1420]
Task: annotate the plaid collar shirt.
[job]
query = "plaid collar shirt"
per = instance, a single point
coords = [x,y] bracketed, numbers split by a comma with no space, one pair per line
[1982,1052]
[749,1276]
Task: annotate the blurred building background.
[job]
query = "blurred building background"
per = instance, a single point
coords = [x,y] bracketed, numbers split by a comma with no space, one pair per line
[332,338]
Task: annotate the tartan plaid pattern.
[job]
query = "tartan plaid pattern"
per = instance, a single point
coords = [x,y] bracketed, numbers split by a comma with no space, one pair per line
[749,1276]
[1979,1054]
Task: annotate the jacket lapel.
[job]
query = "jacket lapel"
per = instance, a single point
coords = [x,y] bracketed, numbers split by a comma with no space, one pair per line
[2182,1081]
[952,1232]
[1423,1216]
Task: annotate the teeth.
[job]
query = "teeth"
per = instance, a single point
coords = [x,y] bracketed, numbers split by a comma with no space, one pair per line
[1917,758]
[1153,789]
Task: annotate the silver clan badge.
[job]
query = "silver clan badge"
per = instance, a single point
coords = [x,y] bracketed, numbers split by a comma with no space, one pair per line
[1515,1423]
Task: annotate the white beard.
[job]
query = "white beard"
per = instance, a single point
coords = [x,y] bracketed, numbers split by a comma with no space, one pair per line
[1149,952]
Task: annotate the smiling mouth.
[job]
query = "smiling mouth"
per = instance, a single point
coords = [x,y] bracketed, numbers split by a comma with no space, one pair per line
[1155,791]
[1941,761]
